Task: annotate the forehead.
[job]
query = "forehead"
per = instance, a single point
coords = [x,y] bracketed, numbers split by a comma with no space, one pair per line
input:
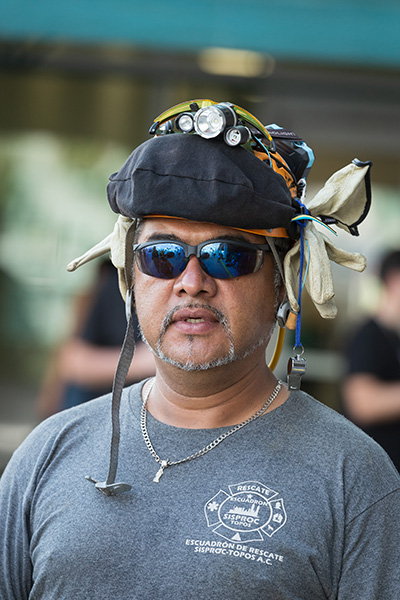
[192,232]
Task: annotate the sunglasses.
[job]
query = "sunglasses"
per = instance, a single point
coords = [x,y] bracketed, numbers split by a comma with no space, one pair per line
[221,259]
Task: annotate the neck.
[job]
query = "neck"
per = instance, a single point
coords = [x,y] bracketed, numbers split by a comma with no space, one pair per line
[218,397]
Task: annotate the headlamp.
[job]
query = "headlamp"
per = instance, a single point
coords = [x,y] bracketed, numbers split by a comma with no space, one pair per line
[185,122]
[237,135]
[213,120]
[209,119]
[286,153]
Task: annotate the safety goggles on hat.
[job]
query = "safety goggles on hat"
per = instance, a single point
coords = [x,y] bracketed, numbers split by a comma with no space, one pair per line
[219,258]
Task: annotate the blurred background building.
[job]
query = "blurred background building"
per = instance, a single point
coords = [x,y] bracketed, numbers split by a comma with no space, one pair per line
[81,82]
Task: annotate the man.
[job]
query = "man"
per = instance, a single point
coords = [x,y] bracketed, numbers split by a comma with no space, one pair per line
[371,391]
[230,484]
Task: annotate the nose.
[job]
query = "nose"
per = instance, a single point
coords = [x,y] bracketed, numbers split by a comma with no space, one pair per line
[194,281]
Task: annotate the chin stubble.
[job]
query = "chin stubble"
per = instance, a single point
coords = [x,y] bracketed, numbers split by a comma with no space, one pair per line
[190,365]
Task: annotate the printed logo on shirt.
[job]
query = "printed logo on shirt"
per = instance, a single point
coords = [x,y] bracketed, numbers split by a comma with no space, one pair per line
[248,512]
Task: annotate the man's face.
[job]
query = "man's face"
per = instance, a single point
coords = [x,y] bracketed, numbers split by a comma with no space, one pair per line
[194,321]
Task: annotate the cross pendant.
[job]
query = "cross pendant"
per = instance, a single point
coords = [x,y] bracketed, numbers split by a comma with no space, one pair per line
[160,472]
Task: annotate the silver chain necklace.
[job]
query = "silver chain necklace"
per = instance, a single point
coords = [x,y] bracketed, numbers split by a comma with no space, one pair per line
[168,463]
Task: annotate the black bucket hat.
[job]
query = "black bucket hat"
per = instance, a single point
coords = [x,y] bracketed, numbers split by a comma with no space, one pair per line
[189,177]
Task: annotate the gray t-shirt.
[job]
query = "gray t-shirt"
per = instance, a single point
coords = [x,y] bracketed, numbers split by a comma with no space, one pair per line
[297,505]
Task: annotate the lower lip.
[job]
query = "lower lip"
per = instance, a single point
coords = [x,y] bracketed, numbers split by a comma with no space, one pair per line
[198,328]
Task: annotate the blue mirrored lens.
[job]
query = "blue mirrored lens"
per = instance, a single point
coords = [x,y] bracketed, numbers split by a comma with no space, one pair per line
[162,259]
[224,260]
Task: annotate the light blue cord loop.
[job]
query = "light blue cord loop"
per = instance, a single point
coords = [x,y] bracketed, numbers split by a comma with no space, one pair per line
[264,147]
[300,218]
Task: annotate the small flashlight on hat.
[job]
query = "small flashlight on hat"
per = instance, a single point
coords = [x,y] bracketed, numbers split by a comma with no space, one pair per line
[213,120]
[234,136]
[185,122]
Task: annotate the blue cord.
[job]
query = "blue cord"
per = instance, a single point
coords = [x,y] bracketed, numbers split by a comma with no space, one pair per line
[265,148]
[302,224]
[301,220]
[308,264]
[298,343]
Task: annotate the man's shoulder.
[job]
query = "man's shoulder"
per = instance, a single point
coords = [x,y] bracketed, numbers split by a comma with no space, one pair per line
[322,422]
[93,410]
[320,412]
[335,450]
[89,420]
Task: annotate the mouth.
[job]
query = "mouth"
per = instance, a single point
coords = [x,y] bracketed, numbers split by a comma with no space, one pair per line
[195,315]
[197,324]
[192,320]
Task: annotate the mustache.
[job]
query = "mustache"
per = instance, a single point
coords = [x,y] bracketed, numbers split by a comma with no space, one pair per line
[169,317]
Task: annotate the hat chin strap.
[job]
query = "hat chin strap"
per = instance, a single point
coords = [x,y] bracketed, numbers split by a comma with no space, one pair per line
[109,487]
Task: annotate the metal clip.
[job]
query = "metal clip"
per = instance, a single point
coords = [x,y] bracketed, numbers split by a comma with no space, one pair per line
[296,369]
[110,489]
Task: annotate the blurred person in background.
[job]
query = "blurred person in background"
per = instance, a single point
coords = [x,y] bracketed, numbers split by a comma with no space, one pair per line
[371,390]
[83,367]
